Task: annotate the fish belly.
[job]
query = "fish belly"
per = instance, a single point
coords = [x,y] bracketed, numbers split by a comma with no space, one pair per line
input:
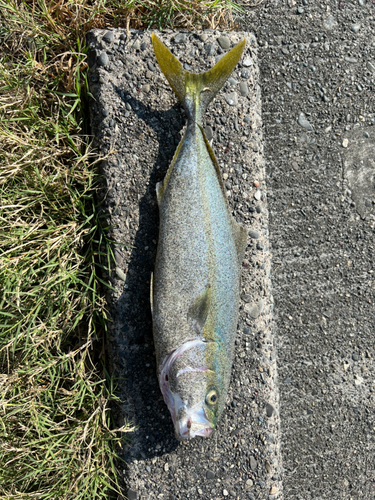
[196,249]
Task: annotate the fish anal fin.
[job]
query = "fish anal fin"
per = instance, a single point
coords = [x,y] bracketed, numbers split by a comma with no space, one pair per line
[240,238]
[198,311]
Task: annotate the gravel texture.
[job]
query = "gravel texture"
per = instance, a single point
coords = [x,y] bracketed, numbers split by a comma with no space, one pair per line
[317,58]
[138,123]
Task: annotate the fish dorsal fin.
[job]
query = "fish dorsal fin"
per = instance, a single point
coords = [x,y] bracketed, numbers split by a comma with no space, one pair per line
[216,165]
[240,238]
[240,234]
[199,309]
[160,186]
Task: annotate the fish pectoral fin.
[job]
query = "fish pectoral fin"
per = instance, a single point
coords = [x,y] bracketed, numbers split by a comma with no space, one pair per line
[152,293]
[198,311]
[161,186]
[240,238]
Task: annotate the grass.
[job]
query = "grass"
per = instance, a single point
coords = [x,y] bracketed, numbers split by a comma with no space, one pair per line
[57,440]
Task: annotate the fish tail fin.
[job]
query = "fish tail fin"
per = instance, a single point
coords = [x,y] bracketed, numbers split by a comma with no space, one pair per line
[196,91]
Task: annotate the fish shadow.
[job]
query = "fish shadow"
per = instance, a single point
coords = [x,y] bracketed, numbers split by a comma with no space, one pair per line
[142,403]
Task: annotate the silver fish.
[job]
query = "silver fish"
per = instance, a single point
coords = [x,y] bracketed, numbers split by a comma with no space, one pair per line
[196,282]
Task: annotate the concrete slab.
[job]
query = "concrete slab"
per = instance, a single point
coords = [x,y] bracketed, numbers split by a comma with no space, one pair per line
[137,123]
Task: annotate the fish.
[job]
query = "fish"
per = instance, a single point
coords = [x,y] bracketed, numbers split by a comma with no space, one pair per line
[195,285]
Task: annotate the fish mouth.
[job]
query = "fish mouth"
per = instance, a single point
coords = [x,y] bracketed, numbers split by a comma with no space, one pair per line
[187,435]
[194,423]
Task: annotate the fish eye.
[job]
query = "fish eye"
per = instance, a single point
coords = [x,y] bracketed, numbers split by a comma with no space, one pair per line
[211,398]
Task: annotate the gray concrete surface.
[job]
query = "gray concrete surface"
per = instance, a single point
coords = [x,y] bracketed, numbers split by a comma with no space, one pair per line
[137,123]
[318,58]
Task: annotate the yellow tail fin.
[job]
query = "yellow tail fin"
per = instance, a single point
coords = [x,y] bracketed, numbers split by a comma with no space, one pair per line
[196,91]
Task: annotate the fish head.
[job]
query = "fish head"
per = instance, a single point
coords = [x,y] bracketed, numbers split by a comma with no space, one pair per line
[191,390]
[192,400]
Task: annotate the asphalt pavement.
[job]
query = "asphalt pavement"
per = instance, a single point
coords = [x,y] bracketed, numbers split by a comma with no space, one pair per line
[317,64]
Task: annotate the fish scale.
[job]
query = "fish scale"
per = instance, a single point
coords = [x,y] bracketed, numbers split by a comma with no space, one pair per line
[196,281]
